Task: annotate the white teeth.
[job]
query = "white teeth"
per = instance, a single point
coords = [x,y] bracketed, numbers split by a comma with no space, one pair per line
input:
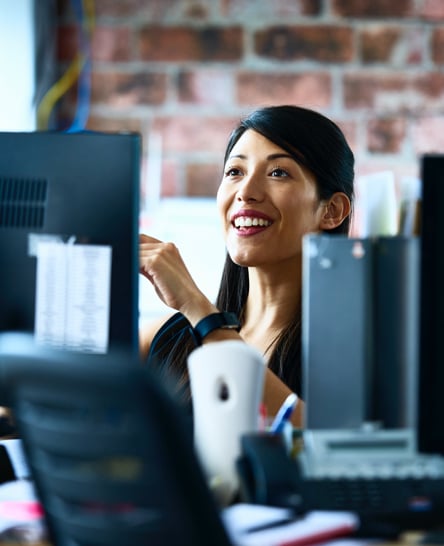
[247,221]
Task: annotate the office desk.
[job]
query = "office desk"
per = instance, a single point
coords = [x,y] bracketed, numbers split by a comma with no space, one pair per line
[409,540]
[22,491]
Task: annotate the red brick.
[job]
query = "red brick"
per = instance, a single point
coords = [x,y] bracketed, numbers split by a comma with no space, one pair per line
[309,89]
[437,46]
[320,43]
[190,44]
[310,59]
[124,90]
[431,85]
[111,44]
[209,87]
[392,45]
[377,43]
[107,43]
[115,125]
[202,179]
[181,134]
[386,136]
[350,130]
[428,134]
[432,9]
[383,92]
[372,8]
[360,90]
[266,9]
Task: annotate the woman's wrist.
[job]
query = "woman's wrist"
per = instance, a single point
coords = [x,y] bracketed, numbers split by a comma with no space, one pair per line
[206,319]
[197,309]
[215,321]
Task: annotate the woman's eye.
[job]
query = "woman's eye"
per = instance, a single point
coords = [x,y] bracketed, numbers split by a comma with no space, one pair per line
[232,171]
[279,173]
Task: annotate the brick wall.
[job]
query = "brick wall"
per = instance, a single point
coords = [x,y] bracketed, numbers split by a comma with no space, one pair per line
[187,70]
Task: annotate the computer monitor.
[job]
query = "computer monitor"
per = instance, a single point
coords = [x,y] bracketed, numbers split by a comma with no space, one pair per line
[431,351]
[69,213]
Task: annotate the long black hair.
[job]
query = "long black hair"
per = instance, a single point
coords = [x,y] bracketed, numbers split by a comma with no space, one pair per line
[317,143]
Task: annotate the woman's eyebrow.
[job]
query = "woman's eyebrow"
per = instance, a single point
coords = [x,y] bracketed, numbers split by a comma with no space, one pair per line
[279,156]
[270,157]
[237,156]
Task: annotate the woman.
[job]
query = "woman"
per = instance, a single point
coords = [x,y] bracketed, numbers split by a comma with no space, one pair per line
[288,171]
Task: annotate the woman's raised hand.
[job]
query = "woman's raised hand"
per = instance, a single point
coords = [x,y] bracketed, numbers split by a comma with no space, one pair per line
[162,264]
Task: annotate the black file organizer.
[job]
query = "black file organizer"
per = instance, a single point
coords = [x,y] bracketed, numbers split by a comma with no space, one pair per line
[360,331]
[360,359]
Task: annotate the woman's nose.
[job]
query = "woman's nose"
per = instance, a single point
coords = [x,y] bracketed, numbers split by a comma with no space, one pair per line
[250,189]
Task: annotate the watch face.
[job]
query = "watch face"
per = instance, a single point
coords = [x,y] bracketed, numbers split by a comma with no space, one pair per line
[230,319]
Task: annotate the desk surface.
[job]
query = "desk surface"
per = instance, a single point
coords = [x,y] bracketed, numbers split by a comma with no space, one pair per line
[341,542]
[20,495]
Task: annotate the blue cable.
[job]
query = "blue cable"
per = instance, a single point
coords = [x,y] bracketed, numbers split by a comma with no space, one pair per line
[84,81]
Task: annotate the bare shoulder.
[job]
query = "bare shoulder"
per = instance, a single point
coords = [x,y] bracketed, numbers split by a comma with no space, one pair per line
[147,333]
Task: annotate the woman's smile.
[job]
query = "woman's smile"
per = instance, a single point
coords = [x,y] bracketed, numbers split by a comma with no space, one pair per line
[250,222]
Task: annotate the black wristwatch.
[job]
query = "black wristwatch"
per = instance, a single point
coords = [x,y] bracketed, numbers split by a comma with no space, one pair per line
[215,321]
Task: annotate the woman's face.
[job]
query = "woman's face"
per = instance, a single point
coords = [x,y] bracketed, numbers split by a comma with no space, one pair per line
[267,202]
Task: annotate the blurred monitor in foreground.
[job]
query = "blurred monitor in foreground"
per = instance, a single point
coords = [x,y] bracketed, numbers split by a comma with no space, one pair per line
[69,210]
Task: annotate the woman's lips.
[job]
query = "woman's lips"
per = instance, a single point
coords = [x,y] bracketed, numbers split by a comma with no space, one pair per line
[250,222]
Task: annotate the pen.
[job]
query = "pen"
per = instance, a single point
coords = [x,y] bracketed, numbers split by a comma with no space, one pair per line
[284,413]
[273,524]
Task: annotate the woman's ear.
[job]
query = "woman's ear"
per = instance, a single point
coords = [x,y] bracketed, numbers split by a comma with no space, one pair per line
[336,210]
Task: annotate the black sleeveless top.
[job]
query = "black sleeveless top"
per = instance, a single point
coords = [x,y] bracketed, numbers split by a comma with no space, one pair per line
[168,353]
[175,340]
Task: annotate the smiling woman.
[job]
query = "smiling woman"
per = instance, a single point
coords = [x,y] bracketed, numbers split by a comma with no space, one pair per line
[288,171]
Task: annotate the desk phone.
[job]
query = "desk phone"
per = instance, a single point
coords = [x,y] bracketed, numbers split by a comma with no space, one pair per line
[385,483]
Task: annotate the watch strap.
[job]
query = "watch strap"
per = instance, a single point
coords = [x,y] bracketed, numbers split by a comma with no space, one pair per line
[208,324]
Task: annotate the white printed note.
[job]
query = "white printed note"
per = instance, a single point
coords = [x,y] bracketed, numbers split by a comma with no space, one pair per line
[51,288]
[73,295]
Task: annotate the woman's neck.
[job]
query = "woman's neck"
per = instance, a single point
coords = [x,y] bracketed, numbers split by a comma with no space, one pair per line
[274,298]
